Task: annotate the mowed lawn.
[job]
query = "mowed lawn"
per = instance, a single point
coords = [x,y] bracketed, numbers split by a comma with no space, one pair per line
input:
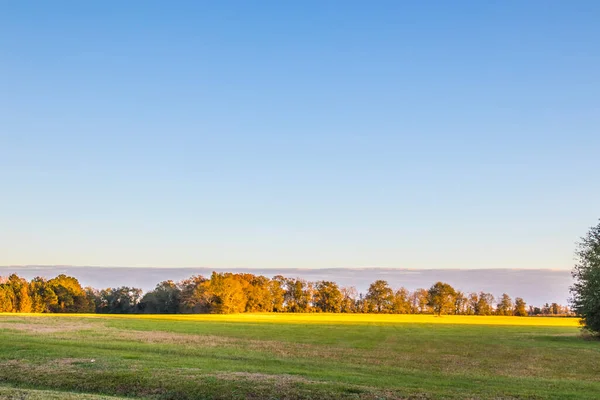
[295,356]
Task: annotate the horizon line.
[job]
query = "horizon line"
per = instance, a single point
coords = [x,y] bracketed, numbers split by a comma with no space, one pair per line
[282,268]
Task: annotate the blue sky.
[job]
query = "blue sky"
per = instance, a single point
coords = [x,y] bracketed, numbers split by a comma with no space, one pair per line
[298,134]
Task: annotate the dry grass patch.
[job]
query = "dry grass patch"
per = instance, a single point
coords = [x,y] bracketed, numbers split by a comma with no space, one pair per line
[10,393]
[47,325]
[258,377]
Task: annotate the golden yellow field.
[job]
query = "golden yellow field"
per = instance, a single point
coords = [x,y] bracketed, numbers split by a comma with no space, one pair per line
[324,318]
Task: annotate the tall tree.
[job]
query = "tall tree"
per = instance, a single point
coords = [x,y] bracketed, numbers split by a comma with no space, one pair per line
[20,288]
[226,294]
[190,300]
[328,297]
[401,303]
[277,291]
[473,304]
[485,304]
[505,305]
[442,298]
[380,297]
[164,299]
[349,299]
[520,307]
[71,297]
[8,300]
[298,295]
[258,293]
[122,300]
[420,302]
[461,304]
[585,291]
[42,295]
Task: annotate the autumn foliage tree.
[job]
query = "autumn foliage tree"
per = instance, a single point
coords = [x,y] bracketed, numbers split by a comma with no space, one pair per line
[520,308]
[441,298]
[328,297]
[380,297]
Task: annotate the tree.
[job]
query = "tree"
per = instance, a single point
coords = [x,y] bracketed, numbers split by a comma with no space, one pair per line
[461,304]
[546,310]
[520,310]
[585,291]
[505,306]
[7,299]
[472,304]
[420,302]
[258,293]
[70,296]
[121,300]
[298,295]
[442,298]
[380,297]
[401,303]
[349,300]
[43,297]
[225,294]
[485,304]
[277,291]
[20,288]
[190,301]
[164,299]
[328,297]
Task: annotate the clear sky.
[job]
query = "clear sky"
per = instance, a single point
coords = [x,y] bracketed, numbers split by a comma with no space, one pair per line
[298,134]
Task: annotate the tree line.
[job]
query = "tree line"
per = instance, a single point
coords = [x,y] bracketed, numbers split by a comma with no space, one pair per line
[226,293]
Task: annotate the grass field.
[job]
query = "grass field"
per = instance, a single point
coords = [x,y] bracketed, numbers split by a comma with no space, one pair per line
[295,356]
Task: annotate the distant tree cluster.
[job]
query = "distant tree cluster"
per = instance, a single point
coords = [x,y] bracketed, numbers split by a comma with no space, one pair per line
[62,294]
[227,293]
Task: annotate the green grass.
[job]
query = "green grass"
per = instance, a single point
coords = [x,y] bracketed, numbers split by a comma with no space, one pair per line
[11,393]
[302,357]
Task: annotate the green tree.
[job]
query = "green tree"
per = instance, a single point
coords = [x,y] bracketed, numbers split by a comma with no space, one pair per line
[189,302]
[520,307]
[585,292]
[164,299]
[380,297]
[442,298]
[122,300]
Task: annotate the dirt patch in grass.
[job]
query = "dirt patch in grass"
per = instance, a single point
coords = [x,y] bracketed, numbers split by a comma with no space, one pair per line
[258,377]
